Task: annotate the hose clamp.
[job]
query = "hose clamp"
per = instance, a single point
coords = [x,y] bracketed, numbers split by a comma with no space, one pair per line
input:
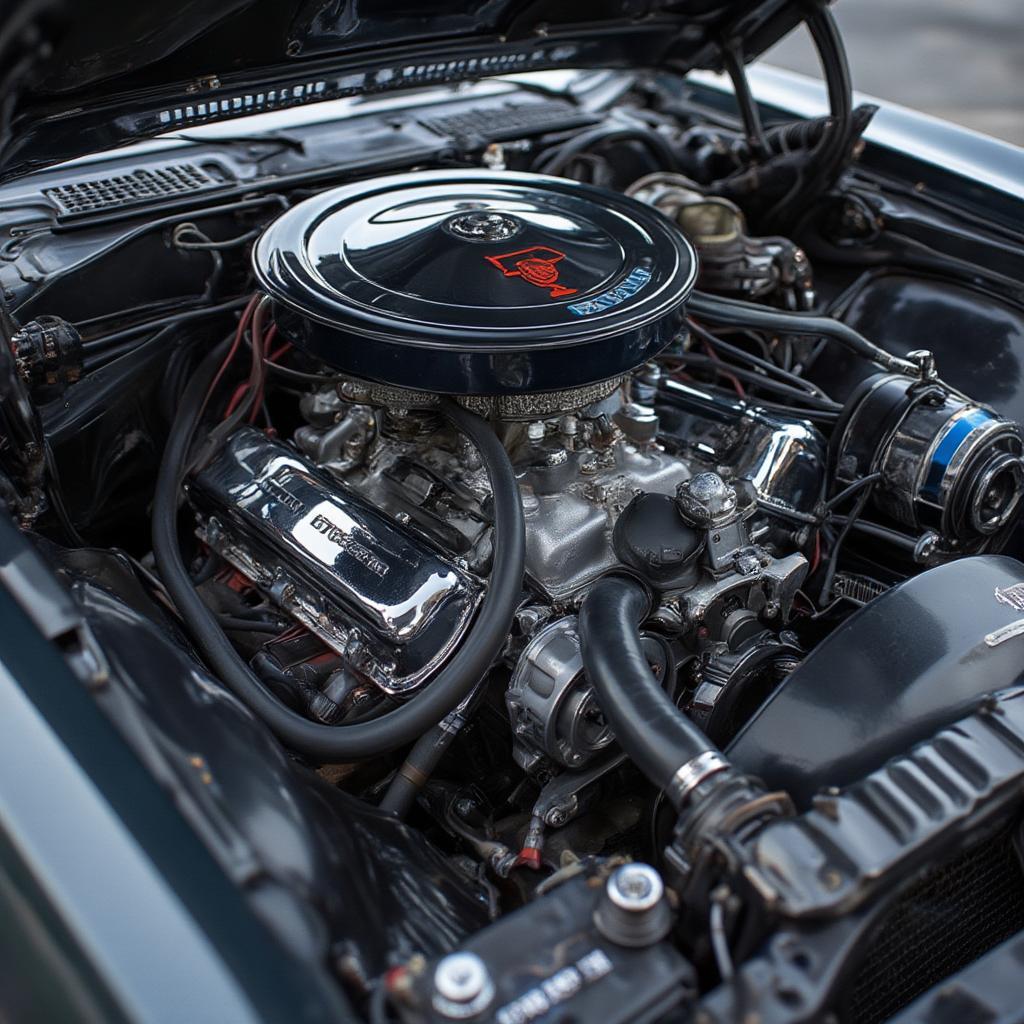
[695,771]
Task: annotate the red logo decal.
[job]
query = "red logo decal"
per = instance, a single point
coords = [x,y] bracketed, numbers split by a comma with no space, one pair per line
[536,265]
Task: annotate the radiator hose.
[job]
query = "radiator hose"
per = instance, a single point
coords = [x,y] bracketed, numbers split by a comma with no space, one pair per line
[714,800]
[663,743]
[478,650]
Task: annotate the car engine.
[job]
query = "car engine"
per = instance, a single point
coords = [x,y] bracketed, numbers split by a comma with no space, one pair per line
[584,580]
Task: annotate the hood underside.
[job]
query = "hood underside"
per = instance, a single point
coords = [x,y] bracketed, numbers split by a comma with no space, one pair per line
[82,77]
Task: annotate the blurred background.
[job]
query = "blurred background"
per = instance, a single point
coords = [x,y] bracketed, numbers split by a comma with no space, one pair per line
[962,60]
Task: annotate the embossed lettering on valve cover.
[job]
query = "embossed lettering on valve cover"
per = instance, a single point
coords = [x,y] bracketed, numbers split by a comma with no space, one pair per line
[349,545]
[277,487]
[331,560]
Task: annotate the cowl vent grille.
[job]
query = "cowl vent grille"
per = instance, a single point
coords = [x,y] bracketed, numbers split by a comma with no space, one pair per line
[141,186]
[507,121]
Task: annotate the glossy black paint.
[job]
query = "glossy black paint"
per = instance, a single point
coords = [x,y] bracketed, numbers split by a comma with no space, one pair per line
[902,667]
[301,850]
[96,75]
[977,338]
[110,851]
[388,280]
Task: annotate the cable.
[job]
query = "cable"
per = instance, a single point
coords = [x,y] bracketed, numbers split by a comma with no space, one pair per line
[240,625]
[719,942]
[732,59]
[824,31]
[474,656]
[716,342]
[827,158]
[557,160]
[833,558]
[300,376]
[243,323]
[377,1008]
[161,306]
[748,314]
[879,532]
[667,393]
[110,340]
[846,492]
[179,239]
[797,394]
[253,202]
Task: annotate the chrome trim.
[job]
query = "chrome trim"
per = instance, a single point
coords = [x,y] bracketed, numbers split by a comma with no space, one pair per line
[635,887]
[367,587]
[698,769]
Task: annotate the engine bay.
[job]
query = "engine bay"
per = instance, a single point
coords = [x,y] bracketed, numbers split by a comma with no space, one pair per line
[557,516]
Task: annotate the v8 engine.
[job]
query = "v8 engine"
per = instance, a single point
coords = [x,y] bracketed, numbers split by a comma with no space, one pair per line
[560,576]
[531,304]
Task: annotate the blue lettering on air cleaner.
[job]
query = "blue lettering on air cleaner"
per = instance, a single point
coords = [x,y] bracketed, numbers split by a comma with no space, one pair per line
[637,278]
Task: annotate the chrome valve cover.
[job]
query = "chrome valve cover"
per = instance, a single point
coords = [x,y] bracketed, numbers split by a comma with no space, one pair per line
[382,598]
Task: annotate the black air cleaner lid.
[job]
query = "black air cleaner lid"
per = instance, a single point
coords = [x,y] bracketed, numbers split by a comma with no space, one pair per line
[476,282]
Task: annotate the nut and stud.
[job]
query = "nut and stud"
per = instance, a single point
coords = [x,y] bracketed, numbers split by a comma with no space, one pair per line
[462,986]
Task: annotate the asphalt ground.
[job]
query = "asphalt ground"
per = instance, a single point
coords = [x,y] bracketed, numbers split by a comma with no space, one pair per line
[961,60]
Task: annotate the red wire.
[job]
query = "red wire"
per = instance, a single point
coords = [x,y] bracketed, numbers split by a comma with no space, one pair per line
[258,404]
[269,338]
[725,373]
[239,334]
[238,395]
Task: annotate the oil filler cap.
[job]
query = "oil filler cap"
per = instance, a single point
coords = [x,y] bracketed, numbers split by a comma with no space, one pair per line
[651,538]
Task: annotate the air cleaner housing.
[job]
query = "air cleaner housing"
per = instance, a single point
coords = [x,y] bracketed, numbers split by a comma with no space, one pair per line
[476,282]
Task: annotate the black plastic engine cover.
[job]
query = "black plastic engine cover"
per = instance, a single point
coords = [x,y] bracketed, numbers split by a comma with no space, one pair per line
[906,665]
[476,282]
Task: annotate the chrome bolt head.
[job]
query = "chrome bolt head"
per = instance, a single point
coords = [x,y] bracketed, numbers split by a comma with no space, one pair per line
[462,986]
[635,887]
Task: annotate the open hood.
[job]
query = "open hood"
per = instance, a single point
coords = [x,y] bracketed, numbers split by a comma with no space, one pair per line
[79,77]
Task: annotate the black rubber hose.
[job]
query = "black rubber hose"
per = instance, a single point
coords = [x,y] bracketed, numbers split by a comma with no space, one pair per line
[747,314]
[426,754]
[559,160]
[831,150]
[406,724]
[655,734]
[824,32]
[416,770]
[732,61]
